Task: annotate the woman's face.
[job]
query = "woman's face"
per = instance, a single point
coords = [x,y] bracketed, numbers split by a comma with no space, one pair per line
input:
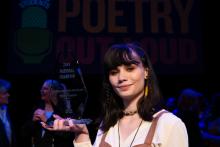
[45,91]
[128,80]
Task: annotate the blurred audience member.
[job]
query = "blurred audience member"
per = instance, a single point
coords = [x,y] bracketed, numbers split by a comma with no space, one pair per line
[211,133]
[171,104]
[7,133]
[188,111]
[44,113]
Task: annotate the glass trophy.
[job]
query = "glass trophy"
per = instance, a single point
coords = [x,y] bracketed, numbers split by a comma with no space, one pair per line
[73,97]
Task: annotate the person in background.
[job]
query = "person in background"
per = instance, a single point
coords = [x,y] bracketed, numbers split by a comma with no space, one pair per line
[171,104]
[43,112]
[7,133]
[188,109]
[211,131]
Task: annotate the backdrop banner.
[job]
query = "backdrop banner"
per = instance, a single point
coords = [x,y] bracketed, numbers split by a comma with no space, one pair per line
[45,33]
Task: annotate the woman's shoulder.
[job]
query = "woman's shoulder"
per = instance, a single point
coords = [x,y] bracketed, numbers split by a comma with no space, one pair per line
[168,122]
[167,117]
[170,130]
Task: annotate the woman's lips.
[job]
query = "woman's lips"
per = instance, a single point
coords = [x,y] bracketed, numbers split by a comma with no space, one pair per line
[124,87]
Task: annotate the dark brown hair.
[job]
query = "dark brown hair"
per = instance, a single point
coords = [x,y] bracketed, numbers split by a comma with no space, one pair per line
[112,105]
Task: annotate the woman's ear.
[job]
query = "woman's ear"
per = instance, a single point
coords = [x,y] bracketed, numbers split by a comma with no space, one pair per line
[146,73]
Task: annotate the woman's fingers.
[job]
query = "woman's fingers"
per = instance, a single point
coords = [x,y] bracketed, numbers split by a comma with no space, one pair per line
[60,124]
[44,125]
[57,116]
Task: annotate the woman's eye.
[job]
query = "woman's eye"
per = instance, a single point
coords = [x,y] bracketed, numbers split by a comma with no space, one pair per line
[130,67]
[113,72]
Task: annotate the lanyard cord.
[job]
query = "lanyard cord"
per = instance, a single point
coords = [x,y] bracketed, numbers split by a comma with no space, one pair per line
[134,134]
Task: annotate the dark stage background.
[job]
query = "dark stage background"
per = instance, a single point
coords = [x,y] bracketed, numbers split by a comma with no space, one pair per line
[26,85]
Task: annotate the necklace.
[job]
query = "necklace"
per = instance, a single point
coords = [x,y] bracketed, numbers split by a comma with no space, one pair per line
[133,137]
[128,113]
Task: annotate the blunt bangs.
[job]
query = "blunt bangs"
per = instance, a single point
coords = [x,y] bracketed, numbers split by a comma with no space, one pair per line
[119,55]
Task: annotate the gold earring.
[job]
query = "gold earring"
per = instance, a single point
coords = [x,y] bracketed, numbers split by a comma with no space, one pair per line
[146,91]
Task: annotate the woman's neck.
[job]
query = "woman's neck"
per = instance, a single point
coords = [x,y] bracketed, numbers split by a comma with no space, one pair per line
[131,104]
[48,107]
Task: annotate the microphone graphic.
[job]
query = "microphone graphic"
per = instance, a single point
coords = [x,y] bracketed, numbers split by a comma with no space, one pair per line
[33,39]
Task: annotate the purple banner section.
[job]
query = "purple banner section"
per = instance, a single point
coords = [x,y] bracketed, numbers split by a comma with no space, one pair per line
[46,33]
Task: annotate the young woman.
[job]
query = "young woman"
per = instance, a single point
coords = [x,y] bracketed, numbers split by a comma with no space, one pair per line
[132,112]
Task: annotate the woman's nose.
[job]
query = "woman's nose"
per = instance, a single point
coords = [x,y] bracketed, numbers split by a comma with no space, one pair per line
[121,76]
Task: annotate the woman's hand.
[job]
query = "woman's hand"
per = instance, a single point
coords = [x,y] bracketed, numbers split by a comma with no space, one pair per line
[39,115]
[61,124]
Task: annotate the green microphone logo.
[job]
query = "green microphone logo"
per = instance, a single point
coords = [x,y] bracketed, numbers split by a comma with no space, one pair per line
[33,39]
